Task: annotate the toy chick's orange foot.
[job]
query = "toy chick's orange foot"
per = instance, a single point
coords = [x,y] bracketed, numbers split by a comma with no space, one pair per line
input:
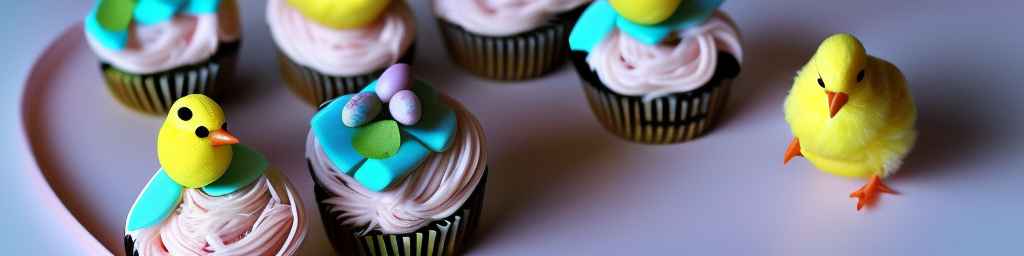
[792,150]
[868,193]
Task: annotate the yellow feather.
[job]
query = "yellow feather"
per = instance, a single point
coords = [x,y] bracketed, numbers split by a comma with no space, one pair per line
[873,132]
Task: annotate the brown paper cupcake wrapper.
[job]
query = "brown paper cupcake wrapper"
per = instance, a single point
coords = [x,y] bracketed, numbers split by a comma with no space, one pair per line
[315,87]
[154,93]
[518,57]
[447,236]
[674,118]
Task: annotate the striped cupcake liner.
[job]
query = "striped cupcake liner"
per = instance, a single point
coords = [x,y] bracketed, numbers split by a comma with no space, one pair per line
[447,236]
[518,57]
[315,87]
[674,118]
[154,93]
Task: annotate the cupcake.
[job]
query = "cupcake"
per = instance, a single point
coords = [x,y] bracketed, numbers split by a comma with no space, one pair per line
[398,168]
[329,48]
[153,52]
[212,196]
[507,40]
[656,72]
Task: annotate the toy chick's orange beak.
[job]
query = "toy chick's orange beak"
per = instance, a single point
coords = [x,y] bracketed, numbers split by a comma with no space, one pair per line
[836,101]
[222,137]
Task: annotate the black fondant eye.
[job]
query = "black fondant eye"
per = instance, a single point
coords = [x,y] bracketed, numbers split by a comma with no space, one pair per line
[821,82]
[224,126]
[860,76]
[184,114]
[202,132]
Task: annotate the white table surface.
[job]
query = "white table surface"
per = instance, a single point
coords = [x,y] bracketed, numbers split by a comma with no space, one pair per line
[561,185]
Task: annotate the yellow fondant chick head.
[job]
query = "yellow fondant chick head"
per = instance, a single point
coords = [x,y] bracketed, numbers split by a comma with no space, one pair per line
[646,12]
[341,14]
[840,61]
[194,146]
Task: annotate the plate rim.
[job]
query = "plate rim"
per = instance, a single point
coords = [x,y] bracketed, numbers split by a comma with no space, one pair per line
[52,201]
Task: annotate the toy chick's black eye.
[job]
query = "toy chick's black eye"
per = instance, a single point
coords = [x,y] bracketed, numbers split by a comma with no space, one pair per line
[202,132]
[821,82]
[860,76]
[184,114]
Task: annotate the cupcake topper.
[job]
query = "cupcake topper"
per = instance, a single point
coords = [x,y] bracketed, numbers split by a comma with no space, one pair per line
[341,14]
[649,21]
[195,150]
[110,20]
[378,147]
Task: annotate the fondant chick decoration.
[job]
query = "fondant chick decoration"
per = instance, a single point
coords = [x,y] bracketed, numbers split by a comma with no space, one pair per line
[341,14]
[195,150]
[110,20]
[194,144]
[851,115]
[648,21]
[379,147]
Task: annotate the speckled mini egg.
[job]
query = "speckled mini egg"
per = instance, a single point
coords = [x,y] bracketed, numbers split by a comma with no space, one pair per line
[405,107]
[361,109]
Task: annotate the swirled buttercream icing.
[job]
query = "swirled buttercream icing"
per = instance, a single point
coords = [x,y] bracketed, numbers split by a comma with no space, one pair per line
[183,40]
[262,219]
[436,189]
[629,67]
[502,17]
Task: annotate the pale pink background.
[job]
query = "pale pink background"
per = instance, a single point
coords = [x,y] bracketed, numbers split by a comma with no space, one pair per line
[561,185]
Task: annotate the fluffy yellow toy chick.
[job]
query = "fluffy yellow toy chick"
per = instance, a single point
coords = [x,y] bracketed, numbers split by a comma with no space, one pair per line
[194,145]
[851,115]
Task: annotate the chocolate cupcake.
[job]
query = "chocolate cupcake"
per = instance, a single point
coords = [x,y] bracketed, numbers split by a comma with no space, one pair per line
[399,169]
[212,196]
[658,81]
[331,48]
[505,41]
[154,52]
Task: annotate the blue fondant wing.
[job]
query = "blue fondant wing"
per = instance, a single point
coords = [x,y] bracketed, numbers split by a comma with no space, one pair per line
[247,166]
[437,126]
[157,201]
[378,174]
[593,26]
[336,138]
[201,6]
[156,11]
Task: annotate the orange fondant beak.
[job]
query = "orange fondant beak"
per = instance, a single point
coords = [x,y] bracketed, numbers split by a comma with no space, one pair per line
[222,137]
[836,101]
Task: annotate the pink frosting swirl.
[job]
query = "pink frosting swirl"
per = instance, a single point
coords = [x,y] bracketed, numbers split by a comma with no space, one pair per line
[264,218]
[184,40]
[435,190]
[346,52]
[629,67]
[502,17]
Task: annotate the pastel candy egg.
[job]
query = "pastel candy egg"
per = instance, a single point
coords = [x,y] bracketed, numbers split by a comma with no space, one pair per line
[405,107]
[361,109]
[645,12]
[394,79]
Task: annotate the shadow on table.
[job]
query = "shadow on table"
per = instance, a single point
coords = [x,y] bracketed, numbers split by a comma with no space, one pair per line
[953,129]
[537,167]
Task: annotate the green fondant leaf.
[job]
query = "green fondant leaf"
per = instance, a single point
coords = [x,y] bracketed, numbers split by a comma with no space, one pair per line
[378,140]
[115,15]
